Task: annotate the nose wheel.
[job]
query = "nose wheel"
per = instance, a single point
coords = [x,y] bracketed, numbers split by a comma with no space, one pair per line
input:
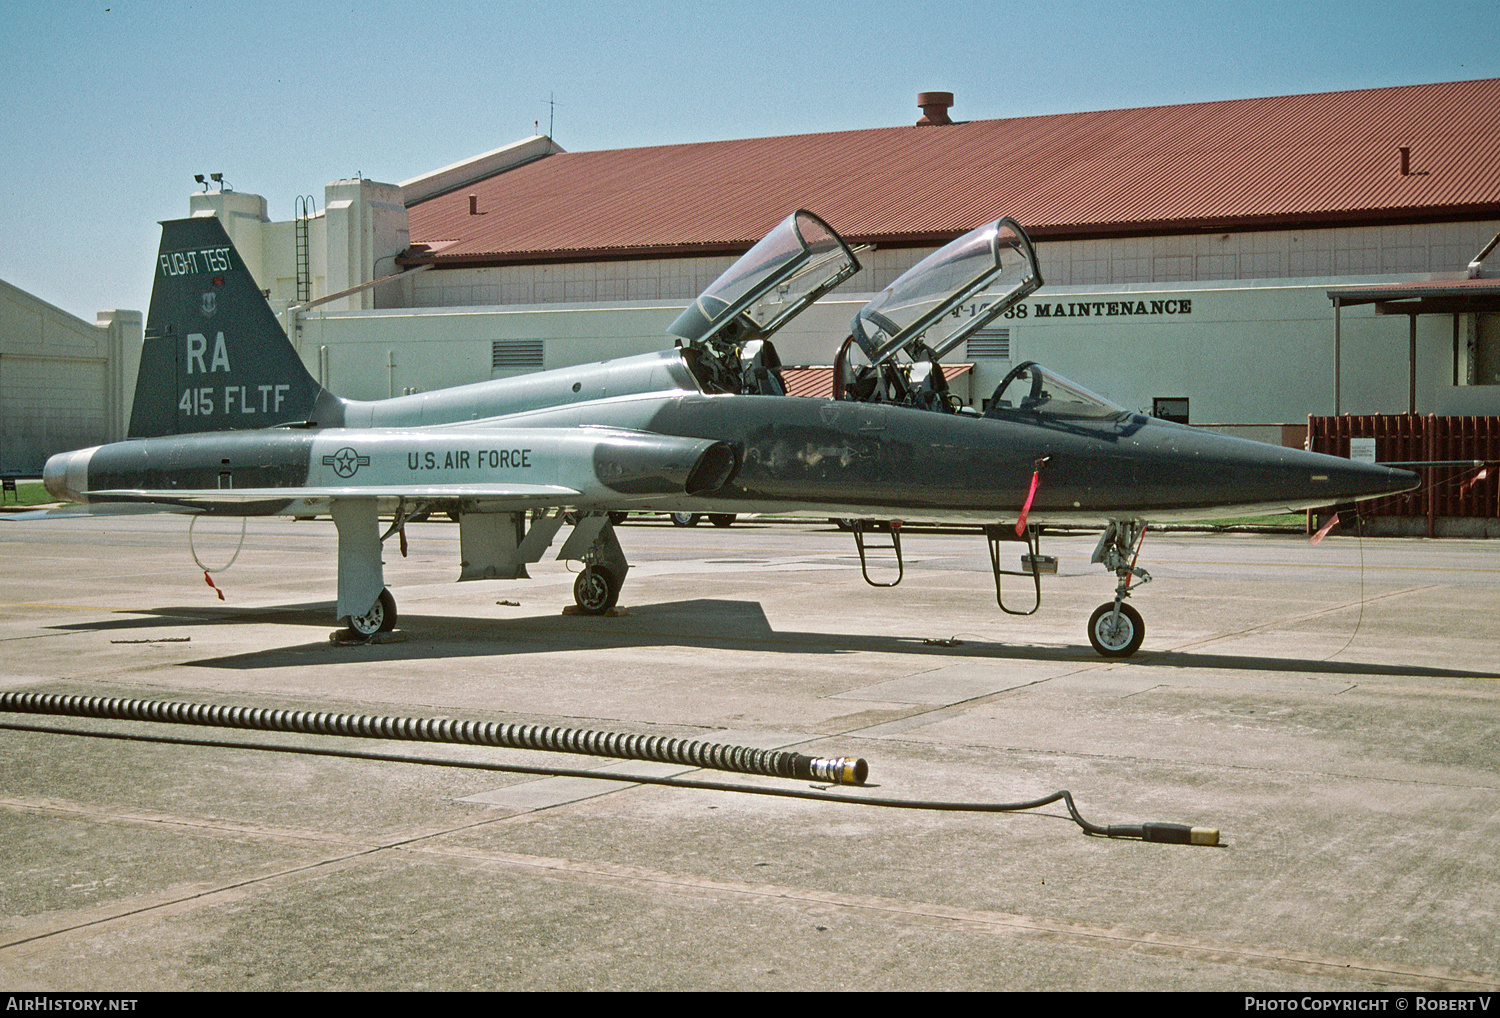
[1116,630]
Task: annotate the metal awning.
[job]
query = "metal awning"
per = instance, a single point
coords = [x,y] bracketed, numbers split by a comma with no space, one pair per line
[1434,297]
[1429,297]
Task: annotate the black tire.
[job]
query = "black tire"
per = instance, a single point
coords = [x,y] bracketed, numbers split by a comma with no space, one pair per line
[842,524]
[617,517]
[685,519]
[1113,640]
[721,519]
[381,618]
[596,590]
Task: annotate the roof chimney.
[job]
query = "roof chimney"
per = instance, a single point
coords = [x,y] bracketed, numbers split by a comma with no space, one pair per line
[934,108]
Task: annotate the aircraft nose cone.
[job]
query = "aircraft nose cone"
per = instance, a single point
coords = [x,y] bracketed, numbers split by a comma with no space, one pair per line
[1302,480]
[1186,470]
[1368,480]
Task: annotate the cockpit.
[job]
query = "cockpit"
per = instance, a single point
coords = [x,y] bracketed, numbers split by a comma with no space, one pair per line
[1032,389]
[896,342]
[726,346]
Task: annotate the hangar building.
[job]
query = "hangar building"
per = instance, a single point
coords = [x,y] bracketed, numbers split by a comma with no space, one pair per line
[1188,252]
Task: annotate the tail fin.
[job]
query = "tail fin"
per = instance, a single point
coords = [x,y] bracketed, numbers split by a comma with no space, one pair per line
[215,358]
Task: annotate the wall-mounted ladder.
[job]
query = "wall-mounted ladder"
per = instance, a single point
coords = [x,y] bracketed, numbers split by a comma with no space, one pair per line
[306,208]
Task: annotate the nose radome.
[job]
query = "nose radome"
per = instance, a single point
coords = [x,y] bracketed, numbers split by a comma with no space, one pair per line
[1368,480]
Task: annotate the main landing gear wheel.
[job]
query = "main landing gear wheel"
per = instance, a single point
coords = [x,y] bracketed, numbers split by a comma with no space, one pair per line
[721,519]
[381,618]
[596,590]
[1116,638]
[685,519]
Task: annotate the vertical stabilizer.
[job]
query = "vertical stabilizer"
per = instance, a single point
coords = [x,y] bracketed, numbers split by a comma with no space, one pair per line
[215,358]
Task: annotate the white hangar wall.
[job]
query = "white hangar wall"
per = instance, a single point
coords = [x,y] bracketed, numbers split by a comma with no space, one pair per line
[1246,352]
[1237,334]
[376,354]
[64,383]
[1243,353]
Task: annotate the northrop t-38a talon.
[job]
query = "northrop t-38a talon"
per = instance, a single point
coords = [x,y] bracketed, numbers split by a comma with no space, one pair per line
[228,422]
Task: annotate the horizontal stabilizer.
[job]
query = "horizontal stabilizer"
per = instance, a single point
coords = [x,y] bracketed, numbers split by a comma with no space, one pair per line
[75,512]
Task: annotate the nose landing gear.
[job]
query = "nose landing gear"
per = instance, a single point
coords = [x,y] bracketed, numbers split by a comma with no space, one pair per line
[1116,629]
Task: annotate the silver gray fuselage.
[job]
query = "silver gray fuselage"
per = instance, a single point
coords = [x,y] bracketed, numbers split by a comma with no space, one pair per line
[629,434]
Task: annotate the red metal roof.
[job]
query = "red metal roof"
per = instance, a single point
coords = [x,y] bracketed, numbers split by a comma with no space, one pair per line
[1326,158]
[816,381]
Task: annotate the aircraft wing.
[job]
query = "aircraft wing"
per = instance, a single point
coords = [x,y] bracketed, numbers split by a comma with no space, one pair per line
[306,500]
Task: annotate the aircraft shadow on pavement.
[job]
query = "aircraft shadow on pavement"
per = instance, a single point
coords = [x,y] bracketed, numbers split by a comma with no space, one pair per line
[706,623]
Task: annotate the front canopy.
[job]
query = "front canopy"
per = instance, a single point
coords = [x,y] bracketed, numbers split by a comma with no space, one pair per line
[800,260]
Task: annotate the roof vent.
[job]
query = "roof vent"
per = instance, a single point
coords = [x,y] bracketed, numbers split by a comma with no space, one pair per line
[934,108]
[1406,170]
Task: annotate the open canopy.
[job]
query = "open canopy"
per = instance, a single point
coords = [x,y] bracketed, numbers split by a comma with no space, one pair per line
[801,259]
[944,298]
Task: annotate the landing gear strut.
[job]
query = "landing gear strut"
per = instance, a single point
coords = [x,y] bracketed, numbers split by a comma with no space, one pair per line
[593,543]
[1116,629]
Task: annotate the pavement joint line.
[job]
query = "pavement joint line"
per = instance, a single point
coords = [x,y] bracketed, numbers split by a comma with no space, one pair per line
[1292,620]
[982,921]
[996,923]
[125,911]
[167,903]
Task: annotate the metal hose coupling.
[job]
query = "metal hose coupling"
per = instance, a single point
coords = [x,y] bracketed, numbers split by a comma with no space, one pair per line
[661,749]
[1172,834]
[838,770]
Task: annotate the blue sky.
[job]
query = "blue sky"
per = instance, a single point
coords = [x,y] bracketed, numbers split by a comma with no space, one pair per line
[111,106]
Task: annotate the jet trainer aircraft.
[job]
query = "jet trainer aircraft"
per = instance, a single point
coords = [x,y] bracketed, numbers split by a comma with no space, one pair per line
[227,421]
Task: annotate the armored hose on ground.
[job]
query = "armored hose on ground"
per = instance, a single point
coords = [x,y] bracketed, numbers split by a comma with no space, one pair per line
[660,749]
